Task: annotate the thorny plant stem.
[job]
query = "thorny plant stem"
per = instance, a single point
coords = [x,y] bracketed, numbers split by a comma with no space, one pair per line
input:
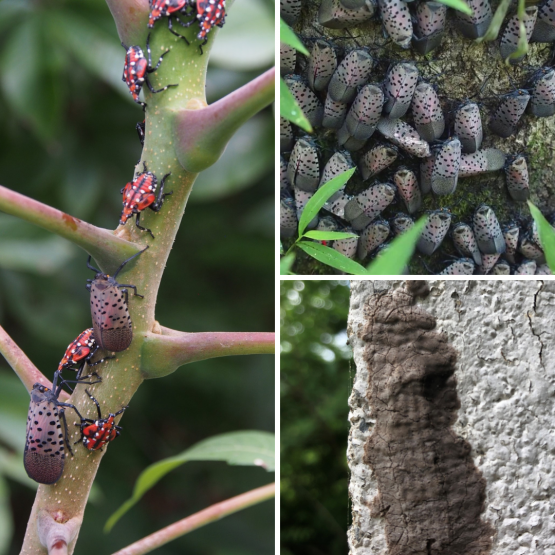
[193,522]
[165,353]
[102,244]
[202,135]
[121,376]
[27,372]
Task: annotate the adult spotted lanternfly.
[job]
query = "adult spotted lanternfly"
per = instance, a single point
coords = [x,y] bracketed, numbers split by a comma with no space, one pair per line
[139,194]
[80,352]
[112,325]
[97,433]
[136,70]
[44,455]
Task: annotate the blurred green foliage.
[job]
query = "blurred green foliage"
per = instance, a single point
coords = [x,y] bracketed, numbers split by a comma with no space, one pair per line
[315,386]
[67,138]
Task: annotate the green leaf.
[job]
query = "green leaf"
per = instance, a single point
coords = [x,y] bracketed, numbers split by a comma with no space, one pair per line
[248,448]
[95,50]
[43,257]
[244,43]
[457,5]
[547,236]
[287,36]
[332,258]
[399,253]
[6,523]
[32,86]
[11,467]
[320,197]
[289,109]
[328,235]
[286,263]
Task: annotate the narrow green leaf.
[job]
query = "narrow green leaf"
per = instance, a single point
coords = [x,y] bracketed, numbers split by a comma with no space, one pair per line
[332,258]
[321,196]
[6,521]
[11,467]
[44,257]
[328,235]
[286,263]
[397,256]
[458,5]
[32,86]
[547,236]
[287,36]
[95,50]
[289,109]
[243,43]
[248,448]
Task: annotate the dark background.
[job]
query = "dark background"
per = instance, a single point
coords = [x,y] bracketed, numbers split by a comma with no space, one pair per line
[315,385]
[67,138]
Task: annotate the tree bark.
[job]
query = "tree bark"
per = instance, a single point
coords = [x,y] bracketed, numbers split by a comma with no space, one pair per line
[504,384]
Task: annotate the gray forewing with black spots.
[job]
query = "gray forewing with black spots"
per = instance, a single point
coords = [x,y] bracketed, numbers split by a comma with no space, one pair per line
[44,454]
[509,112]
[488,231]
[112,325]
[399,86]
[436,229]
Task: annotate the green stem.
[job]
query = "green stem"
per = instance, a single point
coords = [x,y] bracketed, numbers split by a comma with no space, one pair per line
[193,522]
[27,372]
[130,17]
[202,134]
[164,353]
[107,249]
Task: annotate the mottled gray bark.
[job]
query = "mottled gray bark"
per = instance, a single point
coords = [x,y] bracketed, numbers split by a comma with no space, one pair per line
[502,332]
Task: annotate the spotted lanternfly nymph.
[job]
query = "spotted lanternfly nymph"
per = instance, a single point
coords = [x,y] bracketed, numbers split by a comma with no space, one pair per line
[139,194]
[97,433]
[44,455]
[209,13]
[112,325]
[80,352]
[171,9]
[136,69]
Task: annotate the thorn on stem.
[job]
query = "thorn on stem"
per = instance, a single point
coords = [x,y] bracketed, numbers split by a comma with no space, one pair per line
[56,536]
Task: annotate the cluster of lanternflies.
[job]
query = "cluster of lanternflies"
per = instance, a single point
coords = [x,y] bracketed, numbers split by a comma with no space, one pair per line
[336,94]
[112,331]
